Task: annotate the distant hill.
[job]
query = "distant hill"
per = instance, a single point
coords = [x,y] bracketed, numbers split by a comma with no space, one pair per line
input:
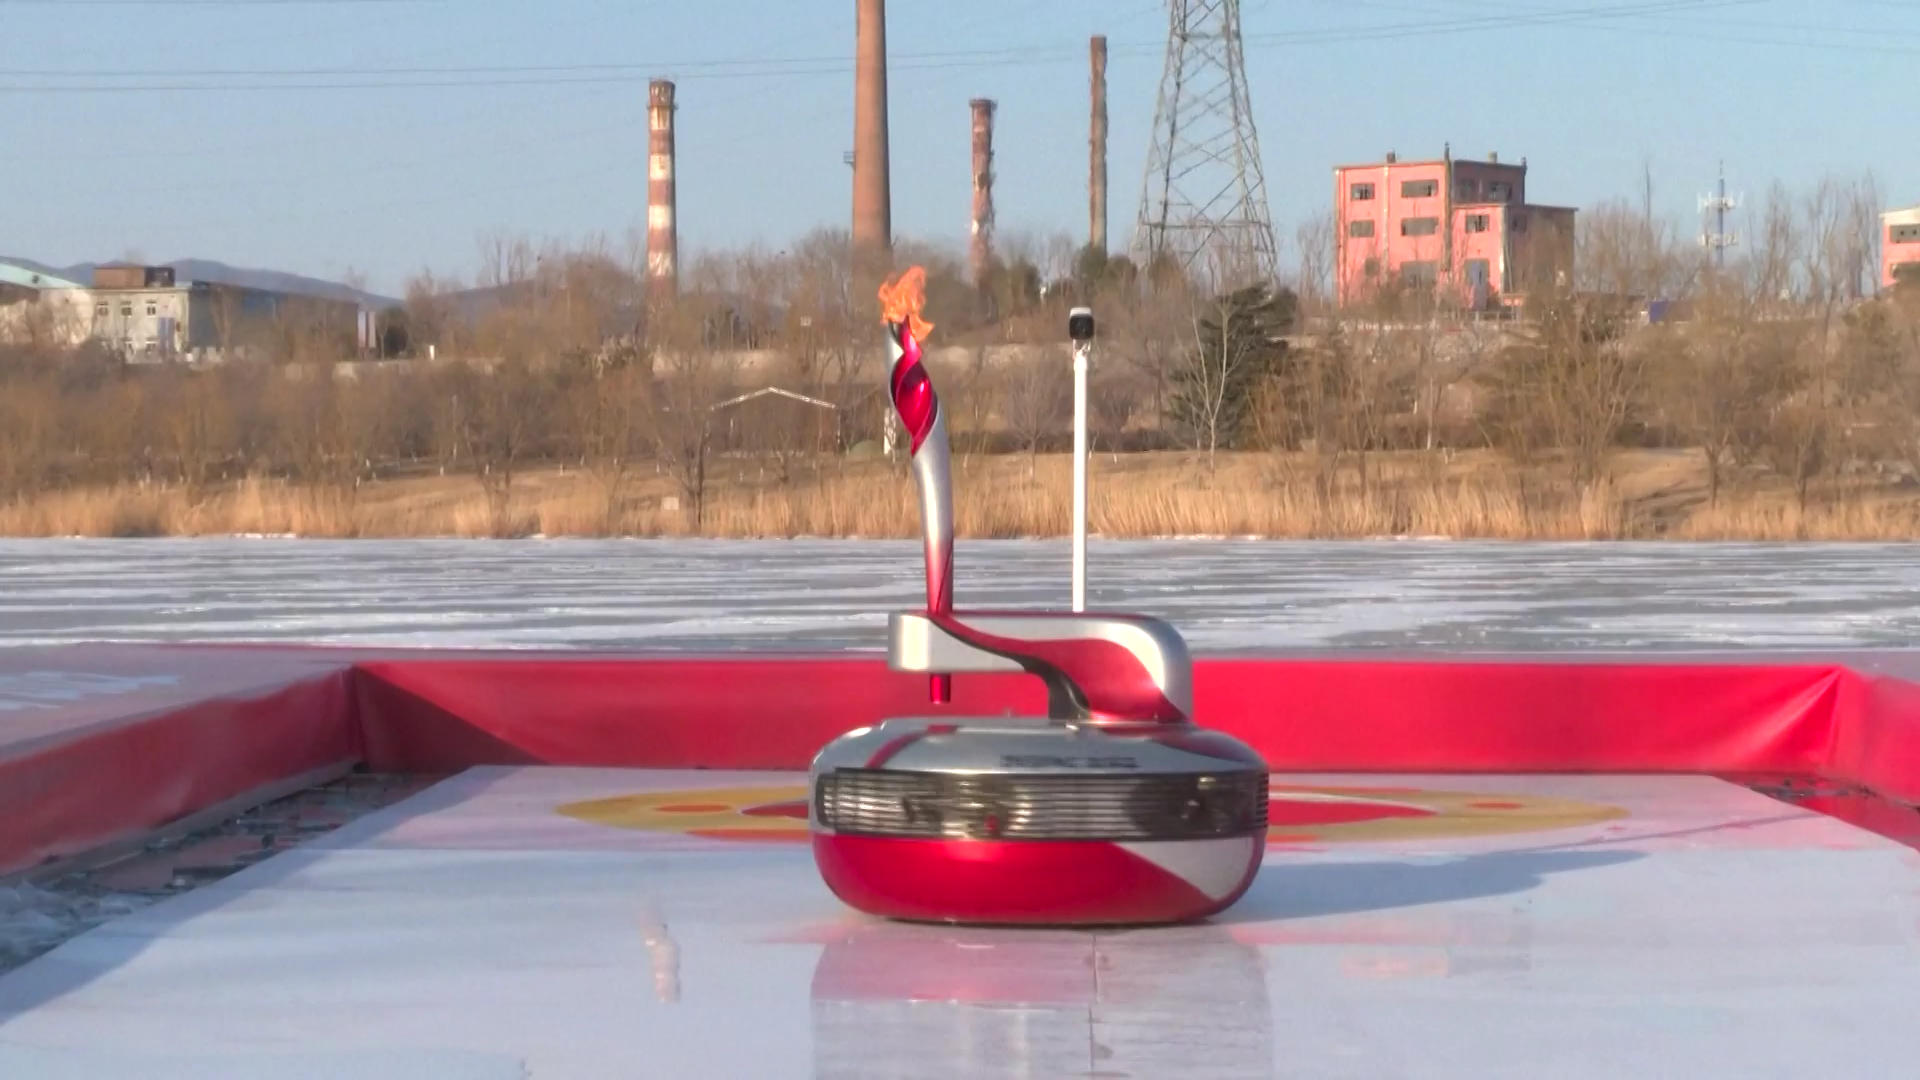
[220,273]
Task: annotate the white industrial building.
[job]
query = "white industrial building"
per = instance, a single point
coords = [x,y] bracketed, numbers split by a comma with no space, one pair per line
[143,314]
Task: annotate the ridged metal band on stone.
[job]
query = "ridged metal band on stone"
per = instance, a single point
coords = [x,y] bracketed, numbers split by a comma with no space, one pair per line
[931,805]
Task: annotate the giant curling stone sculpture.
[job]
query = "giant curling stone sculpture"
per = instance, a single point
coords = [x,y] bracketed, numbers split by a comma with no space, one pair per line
[1114,808]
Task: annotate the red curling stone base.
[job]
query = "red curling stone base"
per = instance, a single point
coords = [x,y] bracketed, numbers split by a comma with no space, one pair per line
[1038,882]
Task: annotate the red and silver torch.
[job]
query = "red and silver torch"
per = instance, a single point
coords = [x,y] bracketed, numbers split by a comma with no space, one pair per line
[1113,808]
[926,426]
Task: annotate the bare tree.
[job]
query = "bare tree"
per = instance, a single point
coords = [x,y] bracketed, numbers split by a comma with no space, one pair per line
[510,408]
[1797,439]
[1714,380]
[452,399]
[226,310]
[693,339]
[109,431]
[375,421]
[1576,379]
[1334,399]
[311,434]
[26,437]
[1035,396]
[1149,336]
[1622,253]
[1887,362]
[1056,256]
[971,397]
[507,262]
[1235,340]
[1300,406]
[429,312]
[1417,336]
[608,411]
[1113,398]
[197,425]
[778,426]
[834,330]
[1815,262]
[684,393]
[1588,381]
[1314,273]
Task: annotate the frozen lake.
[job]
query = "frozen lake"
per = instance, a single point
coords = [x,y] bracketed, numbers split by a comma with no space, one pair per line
[1226,596]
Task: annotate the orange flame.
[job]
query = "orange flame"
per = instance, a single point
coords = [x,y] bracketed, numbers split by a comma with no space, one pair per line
[902,298]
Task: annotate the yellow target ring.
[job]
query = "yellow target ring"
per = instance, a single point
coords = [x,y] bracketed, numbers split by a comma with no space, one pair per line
[776,813]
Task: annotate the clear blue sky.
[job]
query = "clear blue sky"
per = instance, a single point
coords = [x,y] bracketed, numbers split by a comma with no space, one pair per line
[391,178]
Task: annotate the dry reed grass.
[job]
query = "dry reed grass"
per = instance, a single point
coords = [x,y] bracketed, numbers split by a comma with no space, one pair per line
[1149,495]
[1854,516]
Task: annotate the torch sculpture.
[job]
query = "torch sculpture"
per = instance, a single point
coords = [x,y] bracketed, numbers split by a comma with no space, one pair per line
[1114,808]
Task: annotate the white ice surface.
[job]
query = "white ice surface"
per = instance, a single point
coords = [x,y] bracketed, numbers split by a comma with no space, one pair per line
[1226,596]
[471,932]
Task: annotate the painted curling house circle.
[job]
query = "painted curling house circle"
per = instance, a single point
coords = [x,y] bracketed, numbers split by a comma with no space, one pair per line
[1296,814]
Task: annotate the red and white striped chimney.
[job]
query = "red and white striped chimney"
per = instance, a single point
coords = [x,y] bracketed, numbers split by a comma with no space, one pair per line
[980,246]
[663,236]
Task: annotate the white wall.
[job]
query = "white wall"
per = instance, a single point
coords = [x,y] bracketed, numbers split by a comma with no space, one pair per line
[61,317]
[130,318]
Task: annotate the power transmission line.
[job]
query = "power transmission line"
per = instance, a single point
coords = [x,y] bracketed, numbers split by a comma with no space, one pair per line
[416,76]
[1665,26]
[1471,24]
[1664,19]
[838,60]
[211,3]
[516,75]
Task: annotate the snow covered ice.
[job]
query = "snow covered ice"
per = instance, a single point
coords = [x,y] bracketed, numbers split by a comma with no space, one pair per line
[1226,596]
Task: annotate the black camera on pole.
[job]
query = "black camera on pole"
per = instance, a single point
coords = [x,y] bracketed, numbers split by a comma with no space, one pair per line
[1080,324]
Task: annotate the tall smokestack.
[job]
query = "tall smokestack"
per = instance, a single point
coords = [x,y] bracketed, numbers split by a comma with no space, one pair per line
[872,195]
[1097,166]
[663,231]
[981,249]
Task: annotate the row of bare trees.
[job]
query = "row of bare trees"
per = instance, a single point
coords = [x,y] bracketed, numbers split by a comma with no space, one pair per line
[1784,361]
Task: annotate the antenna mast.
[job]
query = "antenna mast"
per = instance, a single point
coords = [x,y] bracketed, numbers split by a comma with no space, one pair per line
[1717,237]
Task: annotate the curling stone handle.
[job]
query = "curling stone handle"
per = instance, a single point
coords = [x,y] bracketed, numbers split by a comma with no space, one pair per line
[1111,668]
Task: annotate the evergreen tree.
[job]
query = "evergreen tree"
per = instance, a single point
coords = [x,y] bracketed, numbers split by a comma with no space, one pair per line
[1238,344]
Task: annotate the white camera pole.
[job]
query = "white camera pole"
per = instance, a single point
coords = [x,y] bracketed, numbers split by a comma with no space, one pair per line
[1082,346]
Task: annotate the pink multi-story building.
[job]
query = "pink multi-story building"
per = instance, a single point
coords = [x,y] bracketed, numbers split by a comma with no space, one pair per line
[1899,242]
[1465,228]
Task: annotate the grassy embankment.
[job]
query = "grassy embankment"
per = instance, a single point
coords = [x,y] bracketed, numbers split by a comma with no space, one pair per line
[1475,495]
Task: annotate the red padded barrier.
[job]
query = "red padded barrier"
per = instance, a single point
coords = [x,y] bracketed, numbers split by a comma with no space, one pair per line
[1468,716]
[1877,736]
[84,778]
[746,713]
[402,731]
[117,780]
[761,713]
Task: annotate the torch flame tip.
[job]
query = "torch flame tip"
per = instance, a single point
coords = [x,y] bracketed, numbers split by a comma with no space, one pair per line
[902,298]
